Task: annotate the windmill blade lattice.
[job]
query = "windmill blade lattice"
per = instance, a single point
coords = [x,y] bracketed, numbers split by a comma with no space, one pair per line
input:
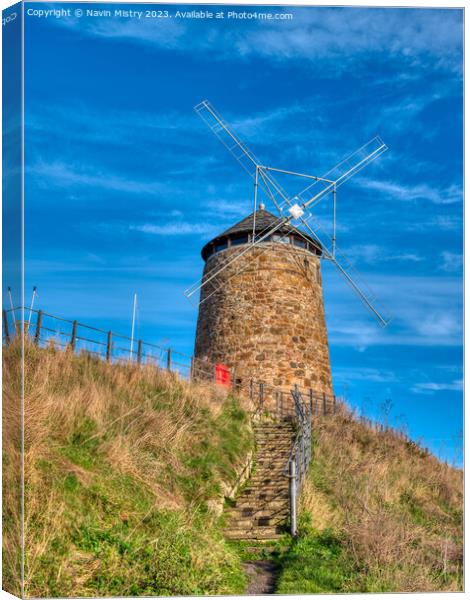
[351,275]
[342,172]
[242,154]
[297,206]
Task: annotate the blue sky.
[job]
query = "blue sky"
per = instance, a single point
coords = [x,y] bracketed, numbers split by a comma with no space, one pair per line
[124,183]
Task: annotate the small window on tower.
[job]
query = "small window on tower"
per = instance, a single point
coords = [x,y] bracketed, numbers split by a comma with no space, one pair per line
[300,243]
[283,239]
[221,246]
[239,240]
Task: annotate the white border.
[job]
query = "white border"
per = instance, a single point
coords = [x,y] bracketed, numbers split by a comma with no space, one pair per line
[351,3]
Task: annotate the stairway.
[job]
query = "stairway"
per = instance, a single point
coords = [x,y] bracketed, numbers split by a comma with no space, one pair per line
[261,510]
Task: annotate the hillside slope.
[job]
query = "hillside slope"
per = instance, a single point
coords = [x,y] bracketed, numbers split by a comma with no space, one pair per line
[125,469]
[122,466]
[378,514]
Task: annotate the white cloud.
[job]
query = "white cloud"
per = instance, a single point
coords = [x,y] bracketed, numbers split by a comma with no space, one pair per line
[339,36]
[450,195]
[371,253]
[439,324]
[365,374]
[228,208]
[178,228]
[425,311]
[440,222]
[432,387]
[65,175]
[451,261]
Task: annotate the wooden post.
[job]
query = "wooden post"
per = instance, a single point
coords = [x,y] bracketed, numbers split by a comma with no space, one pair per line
[109,346]
[37,333]
[5,326]
[168,360]
[251,390]
[191,370]
[73,339]
[324,403]
[292,497]
[139,352]
[334,404]
[261,394]
[311,401]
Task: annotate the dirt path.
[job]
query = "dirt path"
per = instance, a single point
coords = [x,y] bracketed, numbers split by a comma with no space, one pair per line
[261,577]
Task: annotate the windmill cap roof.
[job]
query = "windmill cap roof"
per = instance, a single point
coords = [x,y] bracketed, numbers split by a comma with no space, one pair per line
[264,222]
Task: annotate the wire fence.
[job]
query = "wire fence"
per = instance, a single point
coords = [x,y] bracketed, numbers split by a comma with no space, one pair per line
[47,330]
[279,402]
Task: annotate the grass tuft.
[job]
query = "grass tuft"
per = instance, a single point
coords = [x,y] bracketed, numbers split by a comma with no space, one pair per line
[378,514]
[123,468]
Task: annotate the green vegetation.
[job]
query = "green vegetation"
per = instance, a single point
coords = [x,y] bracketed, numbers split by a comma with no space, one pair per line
[315,564]
[378,514]
[124,470]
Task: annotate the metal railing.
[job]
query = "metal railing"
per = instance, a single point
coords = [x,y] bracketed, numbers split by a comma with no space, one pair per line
[301,407]
[278,402]
[300,455]
[47,330]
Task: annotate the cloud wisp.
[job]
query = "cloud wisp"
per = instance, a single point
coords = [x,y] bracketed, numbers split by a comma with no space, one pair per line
[432,387]
[409,193]
[178,228]
[337,36]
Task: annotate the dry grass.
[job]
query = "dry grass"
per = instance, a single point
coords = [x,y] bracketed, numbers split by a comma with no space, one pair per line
[400,508]
[11,474]
[118,459]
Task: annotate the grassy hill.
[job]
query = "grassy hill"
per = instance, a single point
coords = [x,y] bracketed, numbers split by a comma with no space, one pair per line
[378,514]
[123,468]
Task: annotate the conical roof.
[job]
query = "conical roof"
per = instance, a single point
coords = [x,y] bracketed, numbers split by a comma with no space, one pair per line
[264,222]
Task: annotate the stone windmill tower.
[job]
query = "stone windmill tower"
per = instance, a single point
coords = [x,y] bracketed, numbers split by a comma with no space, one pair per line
[261,301]
[264,318]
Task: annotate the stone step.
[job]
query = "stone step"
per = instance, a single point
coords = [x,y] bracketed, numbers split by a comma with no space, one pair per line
[270,467]
[243,512]
[270,456]
[260,476]
[272,463]
[251,522]
[273,446]
[261,511]
[280,482]
[258,497]
[265,488]
[261,533]
[259,494]
[270,426]
[273,454]
[282,437]
[271,506]
[274,430]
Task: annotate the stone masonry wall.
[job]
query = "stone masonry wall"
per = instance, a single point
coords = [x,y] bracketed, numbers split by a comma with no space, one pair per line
[263,316]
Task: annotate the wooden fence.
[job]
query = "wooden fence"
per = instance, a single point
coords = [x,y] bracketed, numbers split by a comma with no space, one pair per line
[45,329]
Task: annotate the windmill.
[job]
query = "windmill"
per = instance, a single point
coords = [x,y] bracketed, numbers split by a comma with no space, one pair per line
[295,209]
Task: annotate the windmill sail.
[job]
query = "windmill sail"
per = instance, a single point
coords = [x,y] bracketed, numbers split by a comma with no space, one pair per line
[298,206]
[343,171]
[242,154]
[362,290]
